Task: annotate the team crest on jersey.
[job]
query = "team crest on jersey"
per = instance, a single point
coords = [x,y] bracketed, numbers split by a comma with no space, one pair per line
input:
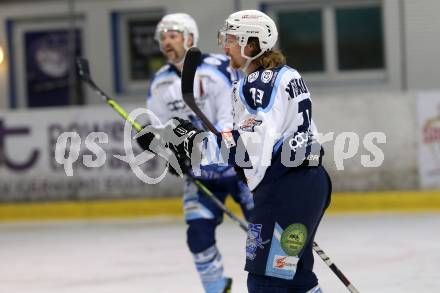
[249,124]
[254,240]
[266,76]
[228,138]
[253,76]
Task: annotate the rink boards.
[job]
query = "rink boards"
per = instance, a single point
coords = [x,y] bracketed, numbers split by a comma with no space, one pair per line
[428,201]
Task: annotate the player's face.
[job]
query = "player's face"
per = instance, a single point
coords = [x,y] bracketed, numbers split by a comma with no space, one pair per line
[171,43]
[233,50]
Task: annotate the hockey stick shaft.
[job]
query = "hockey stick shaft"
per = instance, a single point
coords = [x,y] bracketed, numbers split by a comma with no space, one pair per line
[242,223]
[84,73]
[188,74]
[192,60]
[334,268]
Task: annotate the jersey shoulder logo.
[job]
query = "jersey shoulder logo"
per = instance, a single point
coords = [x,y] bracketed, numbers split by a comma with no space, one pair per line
[266,76]
[253,76]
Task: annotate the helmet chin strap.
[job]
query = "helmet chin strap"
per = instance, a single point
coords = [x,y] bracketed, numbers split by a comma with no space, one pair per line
[246,65]
[248,59]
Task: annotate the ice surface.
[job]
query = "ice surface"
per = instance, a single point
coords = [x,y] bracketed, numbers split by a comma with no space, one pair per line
[390,253]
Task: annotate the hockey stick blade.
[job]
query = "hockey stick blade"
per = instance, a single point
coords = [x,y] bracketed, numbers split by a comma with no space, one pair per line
[83,69]
[192,61]
[84,73]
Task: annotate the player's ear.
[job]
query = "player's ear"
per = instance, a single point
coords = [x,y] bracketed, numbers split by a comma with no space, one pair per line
[250,49]
[190,41]
[253,47]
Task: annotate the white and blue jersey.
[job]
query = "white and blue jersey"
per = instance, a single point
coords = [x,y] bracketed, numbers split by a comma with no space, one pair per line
[212,87]
[273,118]
[272,113]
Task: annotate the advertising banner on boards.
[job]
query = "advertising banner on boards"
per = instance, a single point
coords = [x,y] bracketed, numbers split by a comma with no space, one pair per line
[30,169]
[428,115]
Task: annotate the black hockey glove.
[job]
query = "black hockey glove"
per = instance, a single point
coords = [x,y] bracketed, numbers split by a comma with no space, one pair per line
[144,142]
[186,134]
[183,161]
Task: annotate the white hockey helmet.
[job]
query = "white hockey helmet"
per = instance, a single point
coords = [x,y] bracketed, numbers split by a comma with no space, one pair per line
[250,23]
[180,22]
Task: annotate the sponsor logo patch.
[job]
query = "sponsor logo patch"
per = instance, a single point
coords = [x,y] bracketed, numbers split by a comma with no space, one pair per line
[300,140]
[249,124]
[293,239]
[283,262]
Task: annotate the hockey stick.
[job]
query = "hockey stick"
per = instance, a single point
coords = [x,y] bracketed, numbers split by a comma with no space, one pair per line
[192,60]
[242,223]
[84,73]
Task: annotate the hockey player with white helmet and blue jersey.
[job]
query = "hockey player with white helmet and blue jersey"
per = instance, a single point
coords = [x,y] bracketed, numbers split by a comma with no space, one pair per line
[272,109]
[176,33]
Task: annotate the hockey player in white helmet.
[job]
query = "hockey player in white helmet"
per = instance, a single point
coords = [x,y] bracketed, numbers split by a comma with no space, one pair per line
[272,104]
[176,33]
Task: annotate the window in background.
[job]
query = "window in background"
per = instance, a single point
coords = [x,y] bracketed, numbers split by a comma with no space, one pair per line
[137,55]
[359,35]
[145,56]
[334,41]
[301,39]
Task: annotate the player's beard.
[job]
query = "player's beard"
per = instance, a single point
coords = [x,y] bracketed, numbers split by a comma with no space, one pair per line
[173,55]
[234,64]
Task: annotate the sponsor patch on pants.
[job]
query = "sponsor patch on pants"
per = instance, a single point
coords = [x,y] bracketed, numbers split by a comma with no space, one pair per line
[279,263]
[282,262]
[293,238]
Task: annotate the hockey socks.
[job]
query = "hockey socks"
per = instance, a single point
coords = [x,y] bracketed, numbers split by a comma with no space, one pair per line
[210,268]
